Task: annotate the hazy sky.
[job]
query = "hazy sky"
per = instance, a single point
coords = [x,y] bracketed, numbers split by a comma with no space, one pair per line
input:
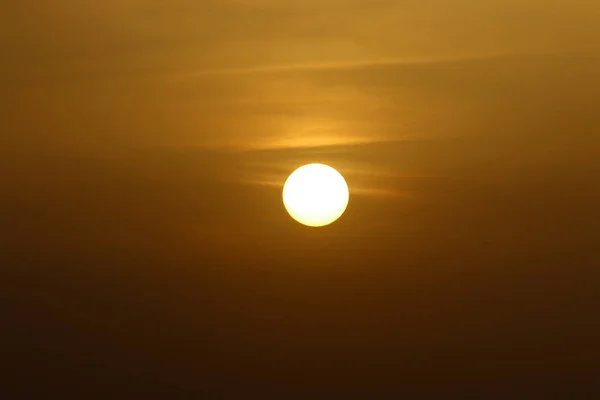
[144,144]
[250,73]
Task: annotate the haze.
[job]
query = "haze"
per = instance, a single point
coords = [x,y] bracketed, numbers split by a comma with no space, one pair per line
[143,243]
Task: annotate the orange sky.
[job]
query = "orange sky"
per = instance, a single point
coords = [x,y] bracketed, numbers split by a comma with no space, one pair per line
[250,73]
[144,144]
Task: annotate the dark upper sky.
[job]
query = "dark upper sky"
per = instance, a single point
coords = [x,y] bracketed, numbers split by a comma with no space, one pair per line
[144,248]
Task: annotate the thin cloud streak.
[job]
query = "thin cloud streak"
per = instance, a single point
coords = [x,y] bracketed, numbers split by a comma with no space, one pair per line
[346,65]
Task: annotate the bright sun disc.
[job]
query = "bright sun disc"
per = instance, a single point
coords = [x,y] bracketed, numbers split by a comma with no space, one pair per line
[315,195]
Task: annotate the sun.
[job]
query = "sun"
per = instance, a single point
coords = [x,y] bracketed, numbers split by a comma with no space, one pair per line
[315,195]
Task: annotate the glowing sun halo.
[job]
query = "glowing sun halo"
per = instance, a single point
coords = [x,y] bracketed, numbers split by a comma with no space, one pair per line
[315,195]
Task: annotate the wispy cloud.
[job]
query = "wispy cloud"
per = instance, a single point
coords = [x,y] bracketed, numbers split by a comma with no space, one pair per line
[346,65]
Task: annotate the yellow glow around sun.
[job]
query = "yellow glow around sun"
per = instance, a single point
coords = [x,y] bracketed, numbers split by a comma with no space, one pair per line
[315,195]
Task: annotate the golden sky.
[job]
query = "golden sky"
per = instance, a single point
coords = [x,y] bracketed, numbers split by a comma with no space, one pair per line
[144,143]
[250,73]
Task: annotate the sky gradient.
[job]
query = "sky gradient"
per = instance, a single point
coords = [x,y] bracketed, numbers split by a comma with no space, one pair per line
[144,244]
